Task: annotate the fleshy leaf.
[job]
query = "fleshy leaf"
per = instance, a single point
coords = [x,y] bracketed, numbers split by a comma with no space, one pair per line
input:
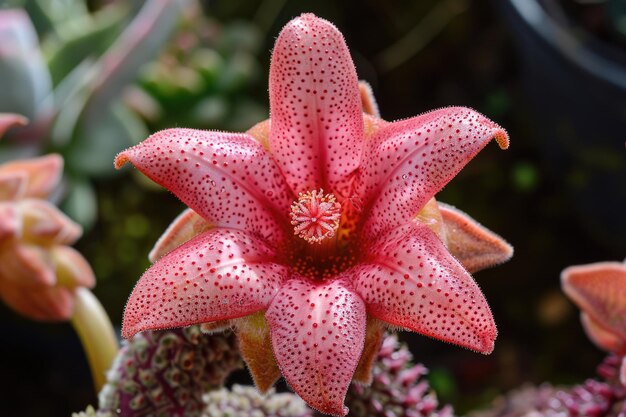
[409,279]
[186,226]
[12,185]
[26,266]
[472,244]
[218,275]
[42,304]
[599,290]
[601,337]
[318,331]
[227,178]
[255,345]
[43,174]
[407,162]
[44,224]
[315,106]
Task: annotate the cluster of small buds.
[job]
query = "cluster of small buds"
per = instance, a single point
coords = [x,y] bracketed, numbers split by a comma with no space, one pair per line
[593,398]
[166,373]
[245,401]
[398,388]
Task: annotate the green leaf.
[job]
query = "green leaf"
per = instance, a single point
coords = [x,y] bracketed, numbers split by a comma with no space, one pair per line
[80,202]
[90,36]
[95,146]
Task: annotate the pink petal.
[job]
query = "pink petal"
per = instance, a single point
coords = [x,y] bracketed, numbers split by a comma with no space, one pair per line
[318,331]
[475,246]
[316,131]
[601,337]
[9,120]
[599,290]
[43,174]
[218,275]
[186,226]
[44,304]
[407,162]
[44,224]
[410,280]
[10,222]
[12,185]
[26,266]
[71,268]
[227,178]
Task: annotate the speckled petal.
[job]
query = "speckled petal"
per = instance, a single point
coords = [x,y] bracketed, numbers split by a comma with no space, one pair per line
[43,174]
[599,290]
[409,279]
[475,246]
[602,337]
[316,131]
[318,331]
[186,226]
[407,162]
[227,178]
[218,275]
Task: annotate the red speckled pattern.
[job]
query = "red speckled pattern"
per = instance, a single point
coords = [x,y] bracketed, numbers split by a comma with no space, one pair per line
[227,178]
[599,290]
[407,162]
[316,133]
[410,280]
[220,274]
[318,330]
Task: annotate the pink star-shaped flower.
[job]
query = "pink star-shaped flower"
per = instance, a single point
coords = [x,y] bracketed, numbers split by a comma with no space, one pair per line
[317,227]
[599,290]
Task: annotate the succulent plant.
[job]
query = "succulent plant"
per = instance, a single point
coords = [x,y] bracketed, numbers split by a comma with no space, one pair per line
[166,373]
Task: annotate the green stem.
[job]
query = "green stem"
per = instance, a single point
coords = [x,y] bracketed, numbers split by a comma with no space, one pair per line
[96,334]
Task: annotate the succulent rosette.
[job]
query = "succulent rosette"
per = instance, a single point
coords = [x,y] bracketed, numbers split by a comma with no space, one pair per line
[39,271]
[316,229]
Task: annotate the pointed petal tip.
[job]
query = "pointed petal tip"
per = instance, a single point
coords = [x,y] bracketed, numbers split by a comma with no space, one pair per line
[121,159]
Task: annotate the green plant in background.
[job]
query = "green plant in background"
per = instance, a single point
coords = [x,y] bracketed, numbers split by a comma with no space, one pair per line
[69,84]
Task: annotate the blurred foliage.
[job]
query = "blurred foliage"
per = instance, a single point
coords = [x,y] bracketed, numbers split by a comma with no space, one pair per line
[209,70]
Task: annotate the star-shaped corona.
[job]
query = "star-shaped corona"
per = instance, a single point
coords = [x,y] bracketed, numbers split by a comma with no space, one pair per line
[316,229]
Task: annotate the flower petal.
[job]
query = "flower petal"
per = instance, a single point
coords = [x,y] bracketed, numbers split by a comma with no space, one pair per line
[10,222]
[26,266]
[316,131]
[601,337]
[410,280]
[227,178]
[12,185]
[475,246]
[599,289]
[44,224]
[186,226]
[218,275]
[318,331]
[71,268]
[407,162]
[42,304]
[255,346]
[43,174]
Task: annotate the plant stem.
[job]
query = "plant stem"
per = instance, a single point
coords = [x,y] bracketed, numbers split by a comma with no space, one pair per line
[96,334]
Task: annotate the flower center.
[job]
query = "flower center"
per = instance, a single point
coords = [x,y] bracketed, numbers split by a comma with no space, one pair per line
[315,216]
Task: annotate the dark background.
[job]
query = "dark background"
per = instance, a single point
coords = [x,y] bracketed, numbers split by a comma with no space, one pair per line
[555,195]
